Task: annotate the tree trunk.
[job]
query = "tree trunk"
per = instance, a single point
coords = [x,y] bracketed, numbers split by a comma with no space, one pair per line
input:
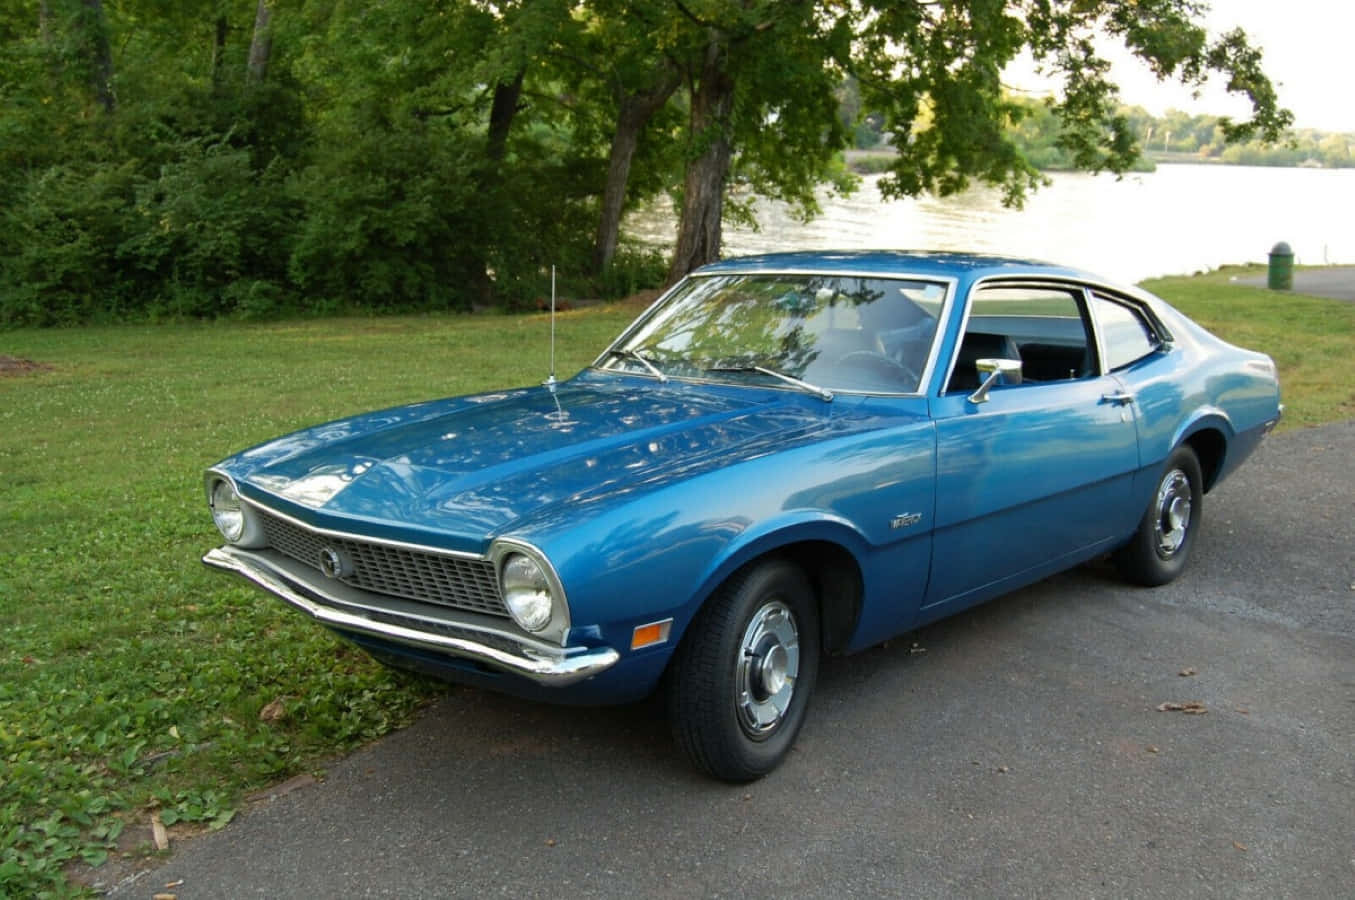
[703,190]
[635,112]
[95,28]
[501,113]
[219,50]
[261,45]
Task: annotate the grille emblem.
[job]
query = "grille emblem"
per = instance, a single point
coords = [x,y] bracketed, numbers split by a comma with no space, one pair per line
[334,563]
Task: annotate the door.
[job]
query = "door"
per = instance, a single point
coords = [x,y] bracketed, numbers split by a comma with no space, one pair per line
[1034,477]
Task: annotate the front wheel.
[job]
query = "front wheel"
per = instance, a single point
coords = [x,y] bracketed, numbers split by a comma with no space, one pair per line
[1158,550]
[740,682]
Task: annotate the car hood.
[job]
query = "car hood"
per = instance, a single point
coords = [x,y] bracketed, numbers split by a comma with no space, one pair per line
[474,467]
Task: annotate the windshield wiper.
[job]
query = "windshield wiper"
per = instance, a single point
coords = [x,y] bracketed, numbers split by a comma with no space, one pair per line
[822,393]
[642,360]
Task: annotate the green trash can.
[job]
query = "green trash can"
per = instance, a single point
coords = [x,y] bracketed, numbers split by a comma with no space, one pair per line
[1280,274]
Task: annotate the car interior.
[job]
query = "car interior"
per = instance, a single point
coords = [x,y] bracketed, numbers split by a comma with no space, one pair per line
[1043,329]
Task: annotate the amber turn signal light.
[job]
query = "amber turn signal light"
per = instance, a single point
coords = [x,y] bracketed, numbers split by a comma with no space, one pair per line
[651,634]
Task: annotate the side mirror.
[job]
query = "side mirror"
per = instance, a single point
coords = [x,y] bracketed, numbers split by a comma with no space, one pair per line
[998,371]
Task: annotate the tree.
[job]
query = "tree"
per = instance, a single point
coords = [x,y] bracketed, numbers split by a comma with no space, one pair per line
[954,55]
[935,71]
[635,108]
[261,45]
[626,48]
[762,78]
[206,157]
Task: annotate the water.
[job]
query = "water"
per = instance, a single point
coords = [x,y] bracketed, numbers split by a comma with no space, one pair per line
[1177,220]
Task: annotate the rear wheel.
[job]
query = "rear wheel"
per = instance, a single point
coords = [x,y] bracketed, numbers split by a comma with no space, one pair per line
[1158,551]
[740,682]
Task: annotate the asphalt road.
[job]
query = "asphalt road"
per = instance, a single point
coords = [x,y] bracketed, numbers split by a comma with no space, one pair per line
[1336,282]
[1015,751]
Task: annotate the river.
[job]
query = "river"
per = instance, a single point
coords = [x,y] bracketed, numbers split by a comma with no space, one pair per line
[1177,220]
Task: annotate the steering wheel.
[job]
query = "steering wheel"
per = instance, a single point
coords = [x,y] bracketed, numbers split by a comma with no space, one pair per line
[889,370]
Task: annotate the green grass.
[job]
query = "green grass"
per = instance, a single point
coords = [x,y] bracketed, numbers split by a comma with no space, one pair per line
[132,678]
[1311,339]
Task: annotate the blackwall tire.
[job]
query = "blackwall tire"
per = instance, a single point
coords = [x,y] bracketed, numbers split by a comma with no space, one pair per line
[1160,548]
[740,682]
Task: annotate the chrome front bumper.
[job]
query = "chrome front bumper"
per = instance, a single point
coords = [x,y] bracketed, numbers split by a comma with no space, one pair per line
[348,610]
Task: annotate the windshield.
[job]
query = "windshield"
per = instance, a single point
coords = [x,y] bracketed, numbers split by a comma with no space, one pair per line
[835,332]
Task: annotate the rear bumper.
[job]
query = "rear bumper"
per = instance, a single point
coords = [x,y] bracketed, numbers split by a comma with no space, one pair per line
[473,638]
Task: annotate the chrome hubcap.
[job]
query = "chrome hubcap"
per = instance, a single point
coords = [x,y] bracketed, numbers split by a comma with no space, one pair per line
[1173,512]
[769,661]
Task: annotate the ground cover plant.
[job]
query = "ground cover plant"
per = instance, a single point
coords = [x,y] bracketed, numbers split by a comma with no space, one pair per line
[134,682]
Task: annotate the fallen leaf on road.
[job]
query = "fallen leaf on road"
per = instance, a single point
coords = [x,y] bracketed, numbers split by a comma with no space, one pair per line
[1186,672]
[1189,707]
[1237,846]
[174,884]
[165,897]
[550,842]
[159,837]
[1150,748]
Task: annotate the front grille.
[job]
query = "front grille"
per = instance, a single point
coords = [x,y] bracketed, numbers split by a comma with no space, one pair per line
[468,584]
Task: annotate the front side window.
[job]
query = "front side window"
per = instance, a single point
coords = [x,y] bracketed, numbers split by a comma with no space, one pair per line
[1126,336]
[1043,328]
[837,332]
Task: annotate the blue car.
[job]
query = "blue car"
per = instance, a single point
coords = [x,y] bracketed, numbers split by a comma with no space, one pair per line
[785,457]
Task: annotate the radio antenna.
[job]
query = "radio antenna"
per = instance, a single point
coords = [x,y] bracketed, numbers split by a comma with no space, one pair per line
[550,382]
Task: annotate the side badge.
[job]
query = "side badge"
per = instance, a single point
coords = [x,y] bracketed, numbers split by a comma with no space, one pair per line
[907,520]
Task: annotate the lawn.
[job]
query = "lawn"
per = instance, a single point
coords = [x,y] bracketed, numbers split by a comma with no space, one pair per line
[1311,339]
[133,682]
[132,679]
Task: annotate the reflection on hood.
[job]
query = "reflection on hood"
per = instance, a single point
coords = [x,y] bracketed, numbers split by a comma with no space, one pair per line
[475,465]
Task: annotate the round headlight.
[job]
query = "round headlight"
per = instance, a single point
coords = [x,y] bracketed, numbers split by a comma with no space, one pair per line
[526,592]
[238,524]
[227,511]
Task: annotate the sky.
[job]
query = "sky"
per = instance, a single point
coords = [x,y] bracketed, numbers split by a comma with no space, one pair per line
[1308,49]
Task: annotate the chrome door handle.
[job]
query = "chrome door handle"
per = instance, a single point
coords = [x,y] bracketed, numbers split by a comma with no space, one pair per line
[1119,398]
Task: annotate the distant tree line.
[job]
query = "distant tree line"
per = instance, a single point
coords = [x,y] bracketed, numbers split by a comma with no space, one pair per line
[1177,136]
[1201,136]
[252,157]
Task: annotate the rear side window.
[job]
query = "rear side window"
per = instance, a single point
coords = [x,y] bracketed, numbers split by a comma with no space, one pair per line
[1125,334]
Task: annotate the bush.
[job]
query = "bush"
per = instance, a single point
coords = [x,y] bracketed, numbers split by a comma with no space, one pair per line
[203,224]
[632,269]
[60,259]
[383,222]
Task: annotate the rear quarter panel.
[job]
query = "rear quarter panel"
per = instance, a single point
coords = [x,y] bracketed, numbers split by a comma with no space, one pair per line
[1201,382]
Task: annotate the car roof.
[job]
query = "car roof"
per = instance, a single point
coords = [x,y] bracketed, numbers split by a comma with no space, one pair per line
[941,264]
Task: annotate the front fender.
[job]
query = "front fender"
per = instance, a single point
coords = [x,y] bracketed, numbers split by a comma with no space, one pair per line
[769,536]
[893,577]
